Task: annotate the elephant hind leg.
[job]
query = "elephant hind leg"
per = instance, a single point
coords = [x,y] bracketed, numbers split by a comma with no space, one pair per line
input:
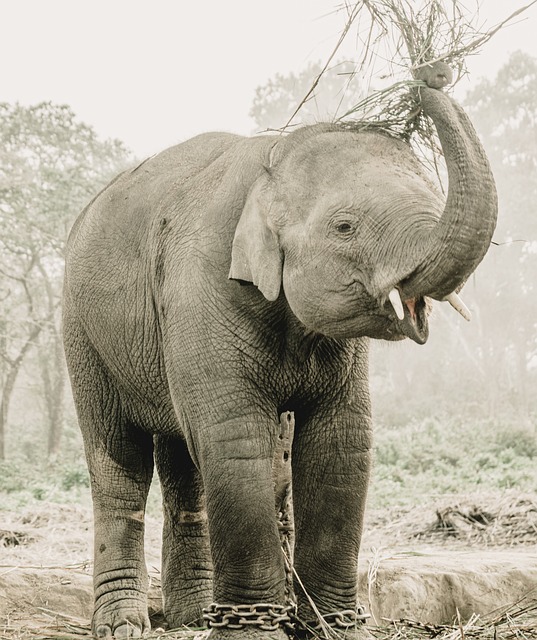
[120,484]
[120,461]
[186,559]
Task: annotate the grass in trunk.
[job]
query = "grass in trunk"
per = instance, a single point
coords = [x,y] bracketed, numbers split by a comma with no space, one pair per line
[407,35]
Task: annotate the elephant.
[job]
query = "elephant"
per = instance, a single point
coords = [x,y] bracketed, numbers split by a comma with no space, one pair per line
[214,287]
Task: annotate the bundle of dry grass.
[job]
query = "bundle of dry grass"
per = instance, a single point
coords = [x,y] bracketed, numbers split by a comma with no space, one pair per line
[474,520]
[511,522]
[407,35]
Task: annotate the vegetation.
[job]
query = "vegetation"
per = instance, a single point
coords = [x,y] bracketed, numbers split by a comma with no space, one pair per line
[51,165]
[413,463]
[442,455]
[338,89]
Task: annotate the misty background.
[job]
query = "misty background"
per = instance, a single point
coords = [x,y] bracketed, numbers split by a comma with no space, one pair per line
[87,95]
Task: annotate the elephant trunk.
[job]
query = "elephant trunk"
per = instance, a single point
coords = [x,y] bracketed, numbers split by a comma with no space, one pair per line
[463,234]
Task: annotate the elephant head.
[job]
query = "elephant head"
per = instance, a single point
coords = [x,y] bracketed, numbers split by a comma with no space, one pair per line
[355,230]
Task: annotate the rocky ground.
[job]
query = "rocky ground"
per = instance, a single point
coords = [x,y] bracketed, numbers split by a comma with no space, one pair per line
[462,560]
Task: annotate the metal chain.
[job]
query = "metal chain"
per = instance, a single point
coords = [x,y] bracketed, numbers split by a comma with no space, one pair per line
[338,620]
[264,616]
[269,617]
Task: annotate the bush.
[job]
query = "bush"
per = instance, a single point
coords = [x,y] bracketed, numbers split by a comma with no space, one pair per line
[23,482]
[518,439]
[75,477]
[449,455]
[13,476]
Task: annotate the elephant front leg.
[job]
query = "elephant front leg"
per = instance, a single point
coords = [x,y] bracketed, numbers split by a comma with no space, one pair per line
[249,575]
[331,463]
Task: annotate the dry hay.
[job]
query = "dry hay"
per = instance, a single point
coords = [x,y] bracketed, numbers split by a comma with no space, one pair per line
[510,523]
[480,519]
[407,35]
[11,538]
[46,531]
[517,621]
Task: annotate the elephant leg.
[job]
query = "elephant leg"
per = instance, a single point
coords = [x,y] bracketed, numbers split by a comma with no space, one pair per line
[236,463]
[120,470]
[331,462]
[186,558]
[120,461]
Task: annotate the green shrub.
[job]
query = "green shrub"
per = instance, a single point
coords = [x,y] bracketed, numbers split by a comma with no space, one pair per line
[518,439]
[450,455]
[75,477]
[11,478]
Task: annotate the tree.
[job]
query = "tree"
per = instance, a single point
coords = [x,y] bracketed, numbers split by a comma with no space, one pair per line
[338,90]
[50,166]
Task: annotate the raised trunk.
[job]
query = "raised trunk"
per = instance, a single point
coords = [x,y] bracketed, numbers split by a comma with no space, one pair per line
[463,234]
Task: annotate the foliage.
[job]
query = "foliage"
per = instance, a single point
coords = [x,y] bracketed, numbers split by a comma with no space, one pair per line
[24,483]
[432,456]
[451,455]
[50,166]
[275,101]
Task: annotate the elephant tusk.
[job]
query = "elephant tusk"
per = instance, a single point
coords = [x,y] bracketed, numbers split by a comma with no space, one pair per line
[397,303]
[459,306]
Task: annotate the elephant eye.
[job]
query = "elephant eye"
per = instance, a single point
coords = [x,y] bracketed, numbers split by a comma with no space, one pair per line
[344,227]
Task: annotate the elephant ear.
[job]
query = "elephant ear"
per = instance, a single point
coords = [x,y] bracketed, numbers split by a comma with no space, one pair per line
[256,255]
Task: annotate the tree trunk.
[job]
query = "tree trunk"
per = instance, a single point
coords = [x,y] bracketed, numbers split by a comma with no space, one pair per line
[13,368]
[53,372]
[55,397]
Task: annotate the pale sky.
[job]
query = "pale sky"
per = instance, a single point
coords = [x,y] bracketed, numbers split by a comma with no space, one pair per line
[153,73]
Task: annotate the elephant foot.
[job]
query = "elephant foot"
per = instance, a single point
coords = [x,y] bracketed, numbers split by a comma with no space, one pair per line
[181,612]
[121,621]
[178,620]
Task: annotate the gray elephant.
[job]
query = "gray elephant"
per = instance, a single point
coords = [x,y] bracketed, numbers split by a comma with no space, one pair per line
[175,357]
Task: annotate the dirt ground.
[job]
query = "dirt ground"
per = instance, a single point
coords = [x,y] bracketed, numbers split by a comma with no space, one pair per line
[453,559]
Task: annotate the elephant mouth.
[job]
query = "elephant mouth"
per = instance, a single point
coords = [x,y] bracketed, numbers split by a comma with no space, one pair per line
[410,315]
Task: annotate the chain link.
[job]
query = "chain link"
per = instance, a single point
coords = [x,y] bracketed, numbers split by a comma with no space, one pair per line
[264,616]
[269,617]
[338,620]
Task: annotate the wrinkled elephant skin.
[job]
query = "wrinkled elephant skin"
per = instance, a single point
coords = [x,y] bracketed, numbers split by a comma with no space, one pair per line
[223,282]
